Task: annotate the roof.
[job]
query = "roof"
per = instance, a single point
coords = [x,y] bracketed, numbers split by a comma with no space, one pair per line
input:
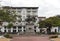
[20,7]
[41,17]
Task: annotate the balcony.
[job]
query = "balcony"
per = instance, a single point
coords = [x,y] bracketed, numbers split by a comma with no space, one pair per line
[19,27]
[34,10]
[17,24]
[4,23]
[28,9]
[23,23]
[14,27]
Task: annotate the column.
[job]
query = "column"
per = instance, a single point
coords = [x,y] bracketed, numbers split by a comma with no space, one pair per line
[11,29]
[2,29]
[6,29]
[37,20]
[37,29]
[22,29]
[16,29]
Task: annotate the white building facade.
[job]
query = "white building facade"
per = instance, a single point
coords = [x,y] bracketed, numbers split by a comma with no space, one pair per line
[27,22]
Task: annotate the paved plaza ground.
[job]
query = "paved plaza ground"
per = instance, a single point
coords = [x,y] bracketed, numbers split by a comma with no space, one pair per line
[4,39]
[56,39]
[31,38]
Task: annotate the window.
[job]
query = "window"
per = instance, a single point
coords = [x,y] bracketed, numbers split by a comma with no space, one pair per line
[14,31]
[19,11]
[24,30]
[30,28]
[14,27]
[28,12]
[34,30]
[0,29]
[5,27]
[19,20]
[28,8]
[24,27]
[34,11]
[19,27]
[4,30]
[35,27]
[19,30]
[9,31]
[24,17]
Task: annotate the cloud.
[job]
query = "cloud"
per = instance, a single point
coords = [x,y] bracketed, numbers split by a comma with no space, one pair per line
[50,8]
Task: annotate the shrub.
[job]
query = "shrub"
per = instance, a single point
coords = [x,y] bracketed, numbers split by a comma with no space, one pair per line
[7,36]
[10,25]
[53,33]
[53,36]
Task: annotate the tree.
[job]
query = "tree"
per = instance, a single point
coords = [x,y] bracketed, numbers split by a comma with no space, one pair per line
[34,18]
[54,21]
[49,22]
[42,24]
[28,19]
[7,35]
[31,18]
[8,16]
[10,25]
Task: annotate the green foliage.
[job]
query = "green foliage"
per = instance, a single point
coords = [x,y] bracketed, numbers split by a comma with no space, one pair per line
[10,25]
[6,15]
[34,19]
[49,22]
[55,21]
[53,36]
[42,24]
[28,18]
[7,36]
[31,18]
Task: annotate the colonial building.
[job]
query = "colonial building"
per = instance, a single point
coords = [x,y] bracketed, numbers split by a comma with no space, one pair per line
[41,18]
[27,22]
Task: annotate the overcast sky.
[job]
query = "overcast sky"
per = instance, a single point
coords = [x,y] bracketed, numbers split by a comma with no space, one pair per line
[46,7]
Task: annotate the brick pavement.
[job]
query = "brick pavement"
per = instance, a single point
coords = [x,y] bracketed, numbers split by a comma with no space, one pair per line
[30,38]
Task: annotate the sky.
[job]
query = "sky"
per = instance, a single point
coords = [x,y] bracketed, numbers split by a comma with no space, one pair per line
[47,8]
